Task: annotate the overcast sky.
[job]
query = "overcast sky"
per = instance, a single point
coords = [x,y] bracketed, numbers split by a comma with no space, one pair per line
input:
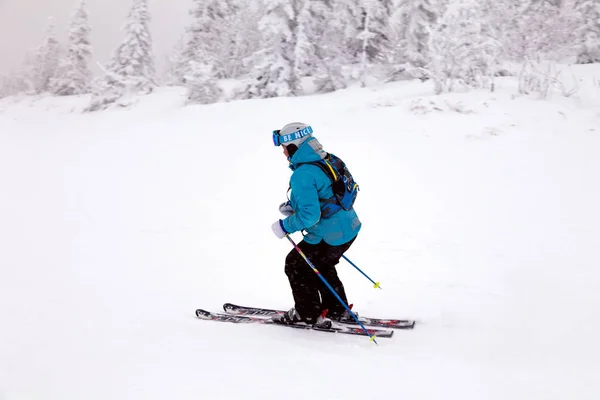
[22,24]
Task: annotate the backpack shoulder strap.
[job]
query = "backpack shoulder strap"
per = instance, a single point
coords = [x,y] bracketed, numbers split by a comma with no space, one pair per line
[327,167]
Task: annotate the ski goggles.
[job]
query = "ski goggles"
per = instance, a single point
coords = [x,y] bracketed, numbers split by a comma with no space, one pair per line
[279,139]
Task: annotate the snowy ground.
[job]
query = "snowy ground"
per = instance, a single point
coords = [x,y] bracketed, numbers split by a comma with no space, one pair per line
[480,215]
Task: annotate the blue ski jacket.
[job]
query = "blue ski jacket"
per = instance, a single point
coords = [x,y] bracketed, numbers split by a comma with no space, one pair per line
[309,183]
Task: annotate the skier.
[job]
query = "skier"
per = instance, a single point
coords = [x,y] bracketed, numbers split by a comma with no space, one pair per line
[327,237]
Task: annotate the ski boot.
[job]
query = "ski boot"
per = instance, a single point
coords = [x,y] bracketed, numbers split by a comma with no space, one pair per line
[346,317]
[323,322]
[292,317]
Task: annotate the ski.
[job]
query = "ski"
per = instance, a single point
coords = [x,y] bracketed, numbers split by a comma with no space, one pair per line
[265,312]
[244,319]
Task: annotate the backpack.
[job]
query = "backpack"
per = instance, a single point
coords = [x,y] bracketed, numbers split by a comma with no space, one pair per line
[345,189]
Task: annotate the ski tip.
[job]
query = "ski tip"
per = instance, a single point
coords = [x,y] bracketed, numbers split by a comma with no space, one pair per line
[229,307]
[202,313]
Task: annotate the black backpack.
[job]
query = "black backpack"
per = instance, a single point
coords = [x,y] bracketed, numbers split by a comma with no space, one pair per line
[345,189]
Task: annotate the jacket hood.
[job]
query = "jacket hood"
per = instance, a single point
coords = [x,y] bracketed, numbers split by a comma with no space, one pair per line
[309,151]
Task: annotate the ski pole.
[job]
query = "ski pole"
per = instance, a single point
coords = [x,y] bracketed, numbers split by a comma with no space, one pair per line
[376,285]
[372,337]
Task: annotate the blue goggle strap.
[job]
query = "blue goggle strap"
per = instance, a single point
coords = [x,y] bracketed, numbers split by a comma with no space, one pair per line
[279,139]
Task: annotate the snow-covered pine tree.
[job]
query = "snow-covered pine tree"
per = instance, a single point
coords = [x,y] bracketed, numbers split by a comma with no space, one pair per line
[562,21]
[412,22]
[175,62]
[24,76]
[47,60]
[536,33]
[244,38]
[202,85]
[273,72]
[535,29]
[317,50]
[11,84]
[131,70]
[335,26]
[462,48]
[590,33]
[109,89]
[376,43]
[204,39]
[20,81]
[185,52]
[75,71]
[349,21]
[222,34]
[134,59]
[305,48]
[375,35]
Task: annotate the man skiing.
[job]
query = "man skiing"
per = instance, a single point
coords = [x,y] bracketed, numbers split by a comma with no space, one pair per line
[328,234]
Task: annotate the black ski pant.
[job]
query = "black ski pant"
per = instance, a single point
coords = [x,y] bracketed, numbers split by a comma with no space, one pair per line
[311,296]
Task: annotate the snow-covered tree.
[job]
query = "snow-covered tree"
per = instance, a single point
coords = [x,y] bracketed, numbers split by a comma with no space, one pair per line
[47,60]
[590,32]
[310,23]
[376,30]
[348,22]
[204,38]
[222,33]
[273,73]
[175,62]
[462,49]
[75,73]
[317,51]
[109,89]
[534,29]
[244,38]
[12,84]
[375,34]
[202,85]
[21,80]
[328,43]
[412,22]
[134,58]
[131,70]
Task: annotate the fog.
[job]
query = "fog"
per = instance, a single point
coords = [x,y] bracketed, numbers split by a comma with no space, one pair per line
[22,25]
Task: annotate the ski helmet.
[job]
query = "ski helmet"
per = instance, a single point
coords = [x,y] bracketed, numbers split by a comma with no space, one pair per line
[294,133]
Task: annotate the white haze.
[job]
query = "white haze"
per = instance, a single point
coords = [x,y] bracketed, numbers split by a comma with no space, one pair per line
[22,24]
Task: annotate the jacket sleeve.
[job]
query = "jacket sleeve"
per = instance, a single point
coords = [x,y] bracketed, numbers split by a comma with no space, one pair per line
[307,210]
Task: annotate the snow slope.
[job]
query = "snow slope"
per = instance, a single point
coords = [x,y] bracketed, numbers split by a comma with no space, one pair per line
[480,218]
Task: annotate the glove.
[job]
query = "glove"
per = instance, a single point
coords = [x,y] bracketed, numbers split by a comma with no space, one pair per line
[286,209]
[278,229]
